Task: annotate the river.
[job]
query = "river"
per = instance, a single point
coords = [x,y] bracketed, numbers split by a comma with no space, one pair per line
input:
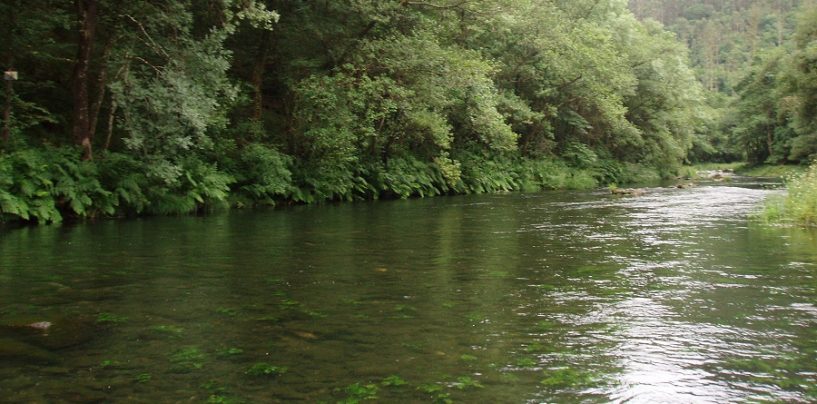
[674,296]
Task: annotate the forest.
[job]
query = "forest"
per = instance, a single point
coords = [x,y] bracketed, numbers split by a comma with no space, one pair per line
[146,107]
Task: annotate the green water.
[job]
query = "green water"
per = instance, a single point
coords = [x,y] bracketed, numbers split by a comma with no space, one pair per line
[557,296]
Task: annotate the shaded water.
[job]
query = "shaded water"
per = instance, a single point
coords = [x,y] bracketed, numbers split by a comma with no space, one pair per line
[558,296]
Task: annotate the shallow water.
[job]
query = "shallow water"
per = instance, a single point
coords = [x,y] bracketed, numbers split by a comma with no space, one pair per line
[555,296]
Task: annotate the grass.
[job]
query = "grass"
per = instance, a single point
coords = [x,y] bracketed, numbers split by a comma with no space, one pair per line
[799,206]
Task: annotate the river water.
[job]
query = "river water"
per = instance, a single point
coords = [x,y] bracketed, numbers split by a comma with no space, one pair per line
[674,296]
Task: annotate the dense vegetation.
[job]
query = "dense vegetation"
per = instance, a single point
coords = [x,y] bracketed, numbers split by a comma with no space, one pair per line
[799,205]
[755,59]
[170,107]
[174,107]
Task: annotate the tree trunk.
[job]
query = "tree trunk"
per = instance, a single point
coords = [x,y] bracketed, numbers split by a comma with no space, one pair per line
[7,112]
[11,38]
[87,14]
[770,140]
[111,117]
[257,80]
[101,87]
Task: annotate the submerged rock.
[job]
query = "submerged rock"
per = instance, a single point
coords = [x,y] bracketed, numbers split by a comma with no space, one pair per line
[628,191]
[717,175]
[12,349]
[54,334]
[65,334]
[304,334]
[40,325]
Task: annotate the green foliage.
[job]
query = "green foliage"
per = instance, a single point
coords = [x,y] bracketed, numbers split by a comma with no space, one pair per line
[201,107]
[800,204]
[45,184]
[408,176]
[261,174]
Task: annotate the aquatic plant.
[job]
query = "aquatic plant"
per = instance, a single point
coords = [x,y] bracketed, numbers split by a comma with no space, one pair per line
[526,363]
[544,326]
[231,351]
[227,311]
[566,378]
[168,329]
[219,399]
[188,358]
[108,363]
[214,387]
[289,303]
[468,358]
[143,377]
[437,392]
[269,318]
[509,378]
[404,311]
[430,388]
[534,347]
[313,313]
[110,319]
[360,392]
[475,318]
[393,381]
[467,382]
[265,369]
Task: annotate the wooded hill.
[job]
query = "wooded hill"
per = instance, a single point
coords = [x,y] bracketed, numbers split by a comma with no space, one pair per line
[755,55]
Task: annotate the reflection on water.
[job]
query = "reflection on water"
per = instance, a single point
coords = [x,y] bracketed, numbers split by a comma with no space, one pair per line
[559,296]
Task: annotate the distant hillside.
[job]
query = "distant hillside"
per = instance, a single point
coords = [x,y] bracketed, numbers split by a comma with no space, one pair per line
[724,36]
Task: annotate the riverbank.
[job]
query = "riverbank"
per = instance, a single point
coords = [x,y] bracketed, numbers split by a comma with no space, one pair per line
[49,185]
[747,170]
[799,205]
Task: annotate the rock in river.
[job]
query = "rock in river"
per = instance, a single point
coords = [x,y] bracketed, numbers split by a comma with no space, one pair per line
[55,334]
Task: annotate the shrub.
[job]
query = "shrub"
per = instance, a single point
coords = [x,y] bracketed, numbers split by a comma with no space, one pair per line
[261,174]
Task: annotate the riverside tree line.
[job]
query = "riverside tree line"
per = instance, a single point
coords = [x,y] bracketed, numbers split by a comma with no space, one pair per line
[153,107]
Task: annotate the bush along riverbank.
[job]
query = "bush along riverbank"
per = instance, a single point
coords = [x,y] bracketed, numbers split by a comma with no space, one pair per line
[48,185]
[799,205]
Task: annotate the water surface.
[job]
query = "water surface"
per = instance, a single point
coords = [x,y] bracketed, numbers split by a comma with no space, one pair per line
[555,296]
